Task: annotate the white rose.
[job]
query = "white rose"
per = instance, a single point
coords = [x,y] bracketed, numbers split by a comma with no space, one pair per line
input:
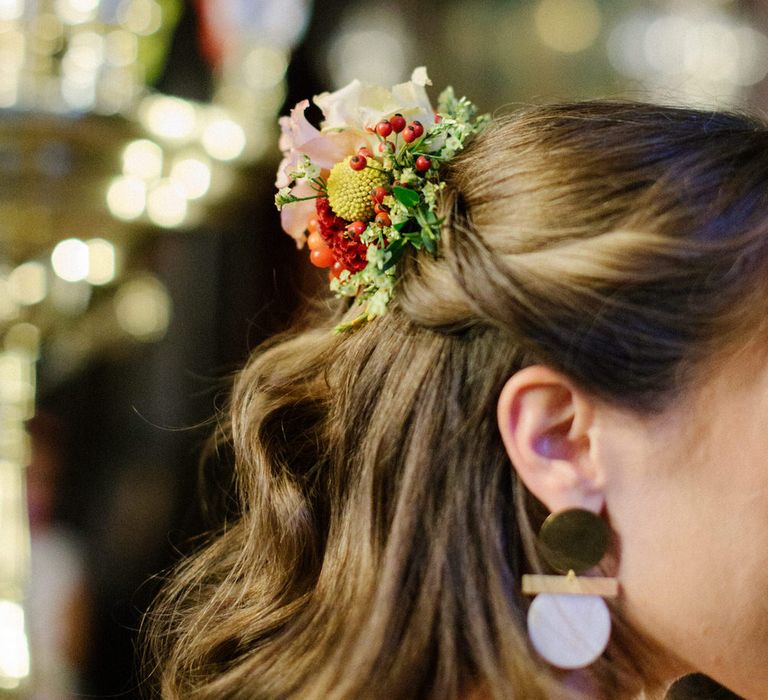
[358,105]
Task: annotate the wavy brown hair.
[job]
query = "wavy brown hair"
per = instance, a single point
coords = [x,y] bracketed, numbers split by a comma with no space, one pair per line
[381,534]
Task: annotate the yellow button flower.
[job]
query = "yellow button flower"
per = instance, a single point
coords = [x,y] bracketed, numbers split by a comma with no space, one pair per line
[349,191]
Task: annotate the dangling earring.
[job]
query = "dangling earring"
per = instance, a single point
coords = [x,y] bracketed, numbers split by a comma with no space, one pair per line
[568,621]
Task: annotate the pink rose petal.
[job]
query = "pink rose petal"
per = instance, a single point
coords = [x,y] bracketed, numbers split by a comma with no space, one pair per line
[294,217]
[295,128]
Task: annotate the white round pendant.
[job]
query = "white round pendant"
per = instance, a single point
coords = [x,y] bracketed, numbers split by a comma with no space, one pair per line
[569,631]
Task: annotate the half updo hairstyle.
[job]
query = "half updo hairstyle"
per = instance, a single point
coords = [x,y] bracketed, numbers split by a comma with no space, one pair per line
[381,532]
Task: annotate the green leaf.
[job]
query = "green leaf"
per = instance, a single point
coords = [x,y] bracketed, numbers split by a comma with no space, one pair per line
[406,197]
[428,239]
[396,250]
[396,246]
[414,238]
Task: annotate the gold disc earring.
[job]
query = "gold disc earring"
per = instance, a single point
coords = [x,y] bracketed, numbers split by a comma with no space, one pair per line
[568,621]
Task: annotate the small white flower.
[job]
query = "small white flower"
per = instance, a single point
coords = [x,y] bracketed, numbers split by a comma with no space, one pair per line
[283,197]
[452,143]
[409,177]
[398,212]
[377,257]
[305,169]
[430,193]
[377,304]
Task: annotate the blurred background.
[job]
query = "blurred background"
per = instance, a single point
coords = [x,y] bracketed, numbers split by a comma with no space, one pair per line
[141,258]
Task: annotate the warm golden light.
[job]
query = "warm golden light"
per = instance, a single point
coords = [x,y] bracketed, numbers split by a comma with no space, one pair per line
[11,9]
[370,51]
[144,159]
[12,49]
[16,385]
[265,67]
[167,204]
[70,260]
[127,197]
[140,16]
[14,648]
[121,48]
[102,267]
[23,338]
[9,89]
[194,176]
[143,308]
[47,27]
[79,91]
[76,11]
[223,139]
[9,307]
[568,26]
[168,117]
[28,283]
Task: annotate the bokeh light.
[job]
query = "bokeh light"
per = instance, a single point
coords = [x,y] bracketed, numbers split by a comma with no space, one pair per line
[127,197]
[11,9]
[70,260]
[102,261]
[14,648]
[193,175]
[167,204]
[23,338]
[70,299]
[223,139]
[568,26]
[76,11]
[265,66]
[168,117]
[28,283]
[373,44]
[693,54]
[121,48]
[143,308]
[143,159]
[141,17]
[9,308]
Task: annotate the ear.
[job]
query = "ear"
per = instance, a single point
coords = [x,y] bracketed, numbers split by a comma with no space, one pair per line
[545,423]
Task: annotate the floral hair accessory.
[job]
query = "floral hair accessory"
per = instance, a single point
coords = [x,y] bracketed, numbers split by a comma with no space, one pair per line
[365,185]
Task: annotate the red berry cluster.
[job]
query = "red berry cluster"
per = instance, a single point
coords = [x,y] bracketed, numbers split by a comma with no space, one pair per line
[333,246]
[410,133]
[381,209]
[335,242]
[397,125]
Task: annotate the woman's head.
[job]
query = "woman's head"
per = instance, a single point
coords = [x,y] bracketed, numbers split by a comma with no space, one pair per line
[618,242]
[598,264]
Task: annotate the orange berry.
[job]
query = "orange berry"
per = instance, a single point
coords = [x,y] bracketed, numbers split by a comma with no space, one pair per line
[378,194]
[322,257]
[336,269]
[315,241]
[357,228]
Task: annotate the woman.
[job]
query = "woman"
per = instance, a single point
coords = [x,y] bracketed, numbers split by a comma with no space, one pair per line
[591,334]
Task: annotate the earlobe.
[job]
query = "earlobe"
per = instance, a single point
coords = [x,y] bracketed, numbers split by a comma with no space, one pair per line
[545,425]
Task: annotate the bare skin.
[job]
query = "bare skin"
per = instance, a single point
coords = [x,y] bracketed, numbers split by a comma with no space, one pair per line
[687,495]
